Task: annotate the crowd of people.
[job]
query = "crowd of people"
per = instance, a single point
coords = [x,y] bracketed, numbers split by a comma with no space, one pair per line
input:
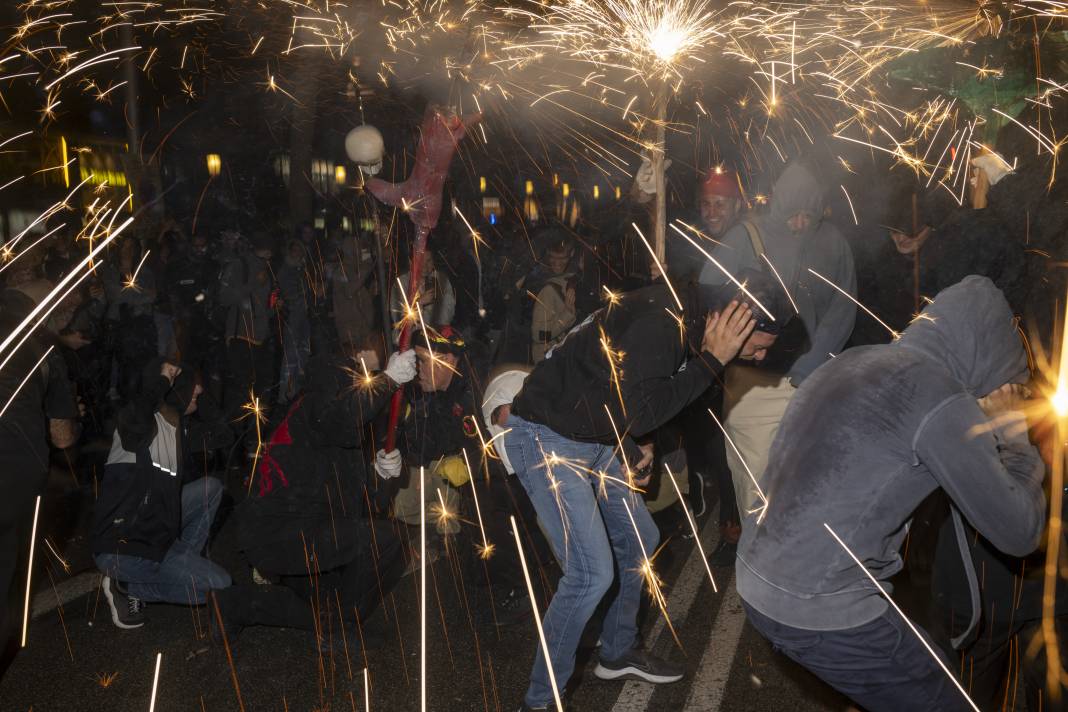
[259,369]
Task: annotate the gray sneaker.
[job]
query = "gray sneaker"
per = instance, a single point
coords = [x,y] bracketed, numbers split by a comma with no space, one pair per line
[126,611]
[639,665]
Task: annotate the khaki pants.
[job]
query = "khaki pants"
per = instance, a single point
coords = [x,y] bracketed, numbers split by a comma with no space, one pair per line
[665,492]
[407,502]
[754,403]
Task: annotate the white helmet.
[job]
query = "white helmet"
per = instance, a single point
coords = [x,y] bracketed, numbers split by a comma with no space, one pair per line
[365,147]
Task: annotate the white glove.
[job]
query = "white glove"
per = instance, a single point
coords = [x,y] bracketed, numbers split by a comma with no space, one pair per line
[401,367]
[645,179]
[388,464]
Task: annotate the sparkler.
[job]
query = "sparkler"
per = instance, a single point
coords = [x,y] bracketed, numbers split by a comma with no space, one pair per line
[905,618]
[537,616]
[29,572]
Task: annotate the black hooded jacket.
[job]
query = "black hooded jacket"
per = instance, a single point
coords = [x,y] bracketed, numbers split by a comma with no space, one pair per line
[867,437]
[620,374]
[139,509]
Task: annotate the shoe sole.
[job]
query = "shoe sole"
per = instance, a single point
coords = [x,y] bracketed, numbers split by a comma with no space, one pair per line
[115,610]
[632,673]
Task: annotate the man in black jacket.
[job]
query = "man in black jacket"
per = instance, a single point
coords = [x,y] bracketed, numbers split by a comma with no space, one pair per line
[153,515]
[620,374]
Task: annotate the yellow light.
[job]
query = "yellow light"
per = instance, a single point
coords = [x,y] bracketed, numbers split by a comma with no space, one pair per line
[596,192]
[63,153]
[1059,401]
[214,164]
[619,193]
[530,187]
[482,184]
[556,179]
[566,190]
[340,175]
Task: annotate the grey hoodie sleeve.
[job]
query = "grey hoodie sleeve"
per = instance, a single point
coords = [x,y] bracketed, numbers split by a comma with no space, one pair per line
[992,473]
[836,324]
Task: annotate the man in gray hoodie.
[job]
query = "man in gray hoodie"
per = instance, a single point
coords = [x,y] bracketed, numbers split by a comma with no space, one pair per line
[867,437]
[784,244]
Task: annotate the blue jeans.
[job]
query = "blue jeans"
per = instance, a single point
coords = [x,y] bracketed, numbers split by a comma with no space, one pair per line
[585,520]
[880,665]
[184,576]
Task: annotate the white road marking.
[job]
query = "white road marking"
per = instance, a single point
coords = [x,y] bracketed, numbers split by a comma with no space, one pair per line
[65,592]
[710,682]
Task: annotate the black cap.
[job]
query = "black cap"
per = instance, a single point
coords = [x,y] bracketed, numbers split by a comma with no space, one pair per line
[763,293]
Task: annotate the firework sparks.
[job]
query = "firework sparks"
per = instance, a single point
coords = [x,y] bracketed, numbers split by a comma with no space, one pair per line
[155,683]
[647,571]
[29,572]
[693,528]
[759,491]
[487,548]
[23,383]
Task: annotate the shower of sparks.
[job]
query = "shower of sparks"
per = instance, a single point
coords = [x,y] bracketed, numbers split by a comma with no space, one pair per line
[919,636]
[537,616]
[29,572]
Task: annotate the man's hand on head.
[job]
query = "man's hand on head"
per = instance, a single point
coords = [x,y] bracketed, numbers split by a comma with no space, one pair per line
[1010,397]
[726,331]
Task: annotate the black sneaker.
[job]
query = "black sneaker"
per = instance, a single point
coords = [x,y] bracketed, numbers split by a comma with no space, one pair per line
[638,665]
[126,610]
[724,555]
[697,495]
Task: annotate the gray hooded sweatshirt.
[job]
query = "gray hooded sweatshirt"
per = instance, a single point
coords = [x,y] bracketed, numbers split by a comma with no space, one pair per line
[827,314]
[867,437]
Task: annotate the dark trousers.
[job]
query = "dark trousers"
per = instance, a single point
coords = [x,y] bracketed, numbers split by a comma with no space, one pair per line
[249,369]
[304,602]
[881,665]
[506,498]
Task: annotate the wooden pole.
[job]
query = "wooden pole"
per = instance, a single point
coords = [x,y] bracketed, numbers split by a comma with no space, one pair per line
[658,157]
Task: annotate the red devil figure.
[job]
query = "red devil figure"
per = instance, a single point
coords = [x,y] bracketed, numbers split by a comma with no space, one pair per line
[420,197]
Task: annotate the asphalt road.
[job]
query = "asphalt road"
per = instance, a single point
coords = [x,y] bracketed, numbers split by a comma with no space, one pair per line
[77,660]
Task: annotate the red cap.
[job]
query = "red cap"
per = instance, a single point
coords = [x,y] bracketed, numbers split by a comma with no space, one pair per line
[721,181]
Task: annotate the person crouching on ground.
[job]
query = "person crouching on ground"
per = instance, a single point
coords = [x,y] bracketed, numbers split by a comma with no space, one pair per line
[155,510]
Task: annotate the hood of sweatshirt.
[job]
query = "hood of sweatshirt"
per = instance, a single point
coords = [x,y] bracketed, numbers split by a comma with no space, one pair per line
[797,190]
[970,328]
